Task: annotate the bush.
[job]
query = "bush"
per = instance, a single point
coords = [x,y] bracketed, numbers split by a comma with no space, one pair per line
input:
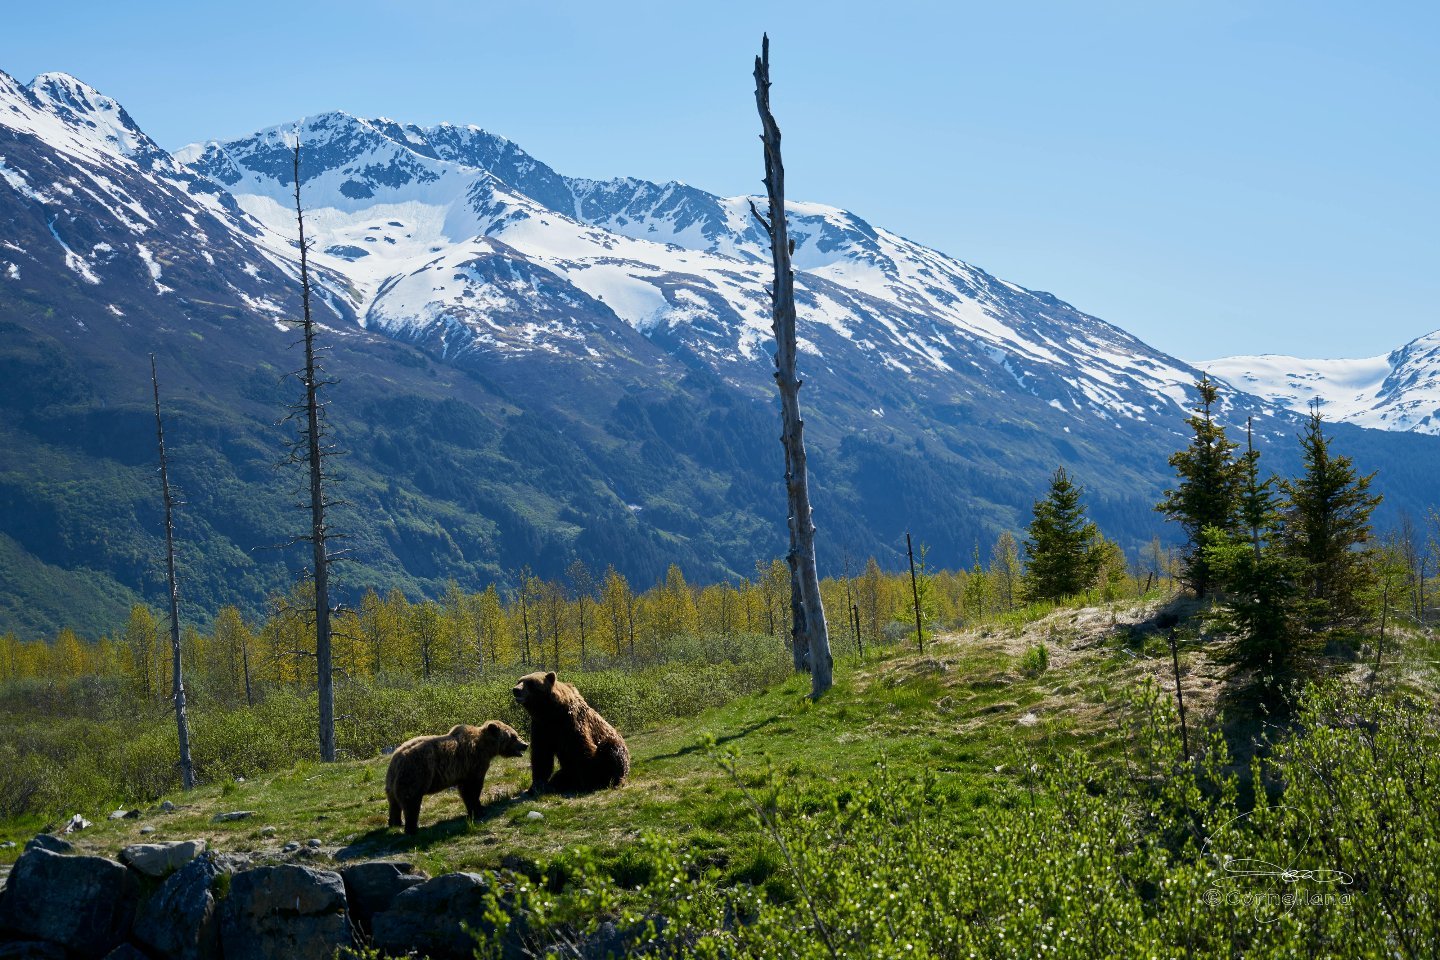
[1035,660]
[1155,859]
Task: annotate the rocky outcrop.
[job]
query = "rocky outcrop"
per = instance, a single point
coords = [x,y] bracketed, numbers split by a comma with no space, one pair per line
[126,952]
[284,911]
[181,920]
[428,918]
[30,950]
[159,860]
[371,888]
[175,901]
[84,904]
[45,841]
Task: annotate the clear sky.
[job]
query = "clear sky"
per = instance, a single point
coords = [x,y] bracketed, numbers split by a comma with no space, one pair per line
[1234,176]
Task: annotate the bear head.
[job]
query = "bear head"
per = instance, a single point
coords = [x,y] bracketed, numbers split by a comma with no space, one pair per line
[501,740]
[535,691]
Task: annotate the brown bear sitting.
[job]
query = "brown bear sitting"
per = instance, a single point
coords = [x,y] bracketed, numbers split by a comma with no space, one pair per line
[460,758]
[564,727]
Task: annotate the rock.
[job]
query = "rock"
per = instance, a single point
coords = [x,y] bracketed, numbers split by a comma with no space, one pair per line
[233,815]
[7,845]
[31,950]
[606,941]
[284,911]
[267,831]
[85,904]
[313,842]
[75,824]
[426,919]
[147,829]
[167,806]
[239,779]
[44,841]
[534,815]
[125,952]
[290,847]
[234,862]
[161,859]
[181,919]
[372,887]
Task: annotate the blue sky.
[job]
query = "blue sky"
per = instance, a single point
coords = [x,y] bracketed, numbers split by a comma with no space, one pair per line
[1221,177]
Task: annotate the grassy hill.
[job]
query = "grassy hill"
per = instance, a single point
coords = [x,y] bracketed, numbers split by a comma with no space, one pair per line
[981,798]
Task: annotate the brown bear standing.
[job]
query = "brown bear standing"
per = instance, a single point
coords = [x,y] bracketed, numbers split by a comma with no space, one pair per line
[460,758]
[564,727]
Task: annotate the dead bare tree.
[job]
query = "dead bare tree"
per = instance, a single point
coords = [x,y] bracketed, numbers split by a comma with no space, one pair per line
[177,682]
[808,614]
[311,450]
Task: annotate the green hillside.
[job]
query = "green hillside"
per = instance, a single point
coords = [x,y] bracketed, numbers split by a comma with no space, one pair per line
[991,800]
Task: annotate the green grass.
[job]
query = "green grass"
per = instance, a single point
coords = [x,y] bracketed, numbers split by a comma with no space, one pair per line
[1038,812]
[956,711]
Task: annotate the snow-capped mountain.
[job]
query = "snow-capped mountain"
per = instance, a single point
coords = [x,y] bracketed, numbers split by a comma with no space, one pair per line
[533,367]
[91,192]
[443,232]
[1395,391]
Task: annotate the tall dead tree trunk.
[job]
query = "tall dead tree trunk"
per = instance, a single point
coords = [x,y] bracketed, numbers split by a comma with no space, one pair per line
[810,632]
[311,450]
[177,683]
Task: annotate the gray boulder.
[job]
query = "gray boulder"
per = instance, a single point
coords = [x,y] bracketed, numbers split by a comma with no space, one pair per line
[427,918]
[126,951]
[181,920]
[85,904]
[372,887]
[45,841]
[233,815]
[31,950]
[284,911]
[161,859]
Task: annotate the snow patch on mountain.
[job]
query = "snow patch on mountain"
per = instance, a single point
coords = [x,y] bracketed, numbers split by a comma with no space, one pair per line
[395,208]
[1395,391]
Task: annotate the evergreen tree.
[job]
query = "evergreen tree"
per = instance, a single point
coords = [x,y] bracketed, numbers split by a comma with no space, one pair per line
[1206,495]
[1262,583]
[1062,546]
[1327,524]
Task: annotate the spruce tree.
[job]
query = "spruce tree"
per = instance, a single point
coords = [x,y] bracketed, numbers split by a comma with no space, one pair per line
[1262,583]
[1206,496]
[1327,524]
[1062,546]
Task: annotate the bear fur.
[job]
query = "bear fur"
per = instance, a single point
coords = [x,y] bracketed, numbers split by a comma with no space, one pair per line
[563,727]
[460,758]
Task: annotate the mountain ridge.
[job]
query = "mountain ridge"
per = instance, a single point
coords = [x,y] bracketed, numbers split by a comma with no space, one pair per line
[546,384]
[1399,390]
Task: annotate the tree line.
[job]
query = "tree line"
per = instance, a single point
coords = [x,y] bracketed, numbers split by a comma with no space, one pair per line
[580,621]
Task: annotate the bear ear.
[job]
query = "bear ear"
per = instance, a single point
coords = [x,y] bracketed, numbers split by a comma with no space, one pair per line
[549,679]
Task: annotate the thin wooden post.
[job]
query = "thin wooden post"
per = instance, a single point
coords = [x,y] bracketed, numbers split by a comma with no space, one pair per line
[915,593]
[1380,648]
[855,615]
[1179,694]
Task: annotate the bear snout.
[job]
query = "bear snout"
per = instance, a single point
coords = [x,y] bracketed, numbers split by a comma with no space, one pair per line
[516,748]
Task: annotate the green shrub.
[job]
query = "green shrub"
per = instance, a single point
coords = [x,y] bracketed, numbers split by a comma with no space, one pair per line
[1153,857]
[1035,660]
